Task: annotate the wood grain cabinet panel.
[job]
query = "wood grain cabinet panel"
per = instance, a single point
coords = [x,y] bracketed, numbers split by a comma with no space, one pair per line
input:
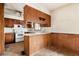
[29,13]
[19,22]
[40,15]
[35,43]
[44,19]
[9,22]
[34,15]
[46,38]
[2,41]
[48,20]
[1,49]
[9,37]
[70,41]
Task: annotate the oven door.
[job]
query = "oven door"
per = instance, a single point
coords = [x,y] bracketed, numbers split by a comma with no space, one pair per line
[19,37]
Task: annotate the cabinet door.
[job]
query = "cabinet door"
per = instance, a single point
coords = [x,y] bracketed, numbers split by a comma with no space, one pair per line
[48,20]
[40,16]
[44,19]
[9,37]
[17,21]
[53,39]
[47,40]
[29,13]
[1,48]
[36,43]
[9,22]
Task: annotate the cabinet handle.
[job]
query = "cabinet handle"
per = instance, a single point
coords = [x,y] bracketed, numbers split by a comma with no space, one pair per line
[43,19]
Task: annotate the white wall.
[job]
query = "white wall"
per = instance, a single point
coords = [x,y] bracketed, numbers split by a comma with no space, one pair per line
[38,6]
[66,19]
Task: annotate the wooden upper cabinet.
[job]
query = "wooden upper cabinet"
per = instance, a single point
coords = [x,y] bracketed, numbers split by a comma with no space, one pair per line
[44,19]
[29,14]
[48,20]
[34,15]
[19,22]
[9,22]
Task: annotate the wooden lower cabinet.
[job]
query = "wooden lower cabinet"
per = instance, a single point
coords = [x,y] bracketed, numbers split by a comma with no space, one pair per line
[69,41]
[9,38]
[1,48]
[35,43]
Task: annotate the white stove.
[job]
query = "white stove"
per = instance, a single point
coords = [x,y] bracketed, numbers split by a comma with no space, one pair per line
[19,33]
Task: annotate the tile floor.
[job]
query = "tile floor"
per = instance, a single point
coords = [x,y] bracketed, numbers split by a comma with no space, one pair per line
[47,52]
[15,49]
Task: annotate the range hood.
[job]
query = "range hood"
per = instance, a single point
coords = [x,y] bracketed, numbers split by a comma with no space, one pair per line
[15,6]
[14,10]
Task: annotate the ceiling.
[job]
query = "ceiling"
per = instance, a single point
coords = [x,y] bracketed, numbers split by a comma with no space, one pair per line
[52,6]
[49,6]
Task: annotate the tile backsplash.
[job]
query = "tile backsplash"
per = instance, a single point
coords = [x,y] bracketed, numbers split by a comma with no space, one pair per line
[8,30]
[47,29]
[43,29]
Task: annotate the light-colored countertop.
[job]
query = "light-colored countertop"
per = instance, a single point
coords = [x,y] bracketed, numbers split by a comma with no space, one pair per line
[8,30]
[36,33]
